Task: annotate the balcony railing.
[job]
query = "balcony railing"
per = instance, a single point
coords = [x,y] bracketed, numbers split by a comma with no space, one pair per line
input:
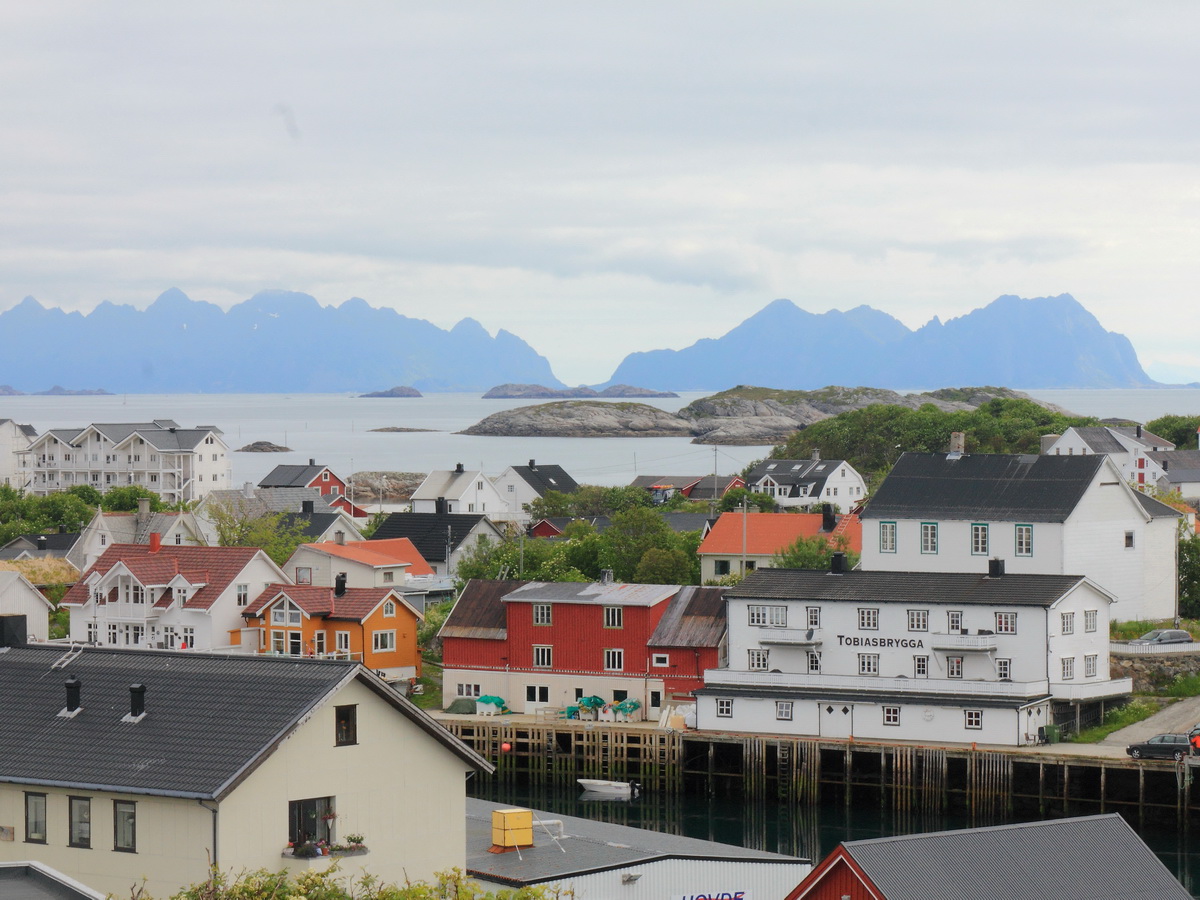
[792,637]
[964,642]
[1091,690]
[798,681]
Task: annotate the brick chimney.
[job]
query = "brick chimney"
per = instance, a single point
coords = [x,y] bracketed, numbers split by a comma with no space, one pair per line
[155,542]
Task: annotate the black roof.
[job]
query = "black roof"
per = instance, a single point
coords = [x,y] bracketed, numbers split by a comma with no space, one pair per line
[209,720]
[1097,857]
[427,531]
[903,587]
[57,541]
[313,524]
[291,476]
[543,478]
[985,487]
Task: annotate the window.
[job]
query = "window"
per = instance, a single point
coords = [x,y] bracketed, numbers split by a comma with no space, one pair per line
[243,594]
[537,693]
[1006,623]
[345,725]
[286,613]
[920,666]
[470,507]
[1068,622]
[512,488]
[468,690]
[389,609]
[918,620]
[139,594]
[868,619]
[721,567]
[868,664]
[973,719]
[1068,668]
[1004,669]
[979,540]
[103,539]
[1089,620]
[891,715]
[1024,540]
[655,699]
[341,641]
[543,657]
[319,643]
[613,617]
[814,617]
[541,614]
[125,826]
[303,575]
[295,643]
[660,660]
[179,536]
[1129,540]
[954,622]
[35,818]
[1089,666]
[814,662]
[768,616]
[80,811]
[929,537]
[614,660]
[311,819]
[383,641]
[724,707]
[389,577]
[757,660]
[783,710]
[887,537]
[954,667]
[189,637]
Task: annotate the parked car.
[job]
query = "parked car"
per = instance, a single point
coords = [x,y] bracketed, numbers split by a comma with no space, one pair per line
[1164,636]
[1161,746]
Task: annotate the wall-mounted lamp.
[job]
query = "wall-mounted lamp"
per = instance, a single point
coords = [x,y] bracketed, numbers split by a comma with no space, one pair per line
[630,877]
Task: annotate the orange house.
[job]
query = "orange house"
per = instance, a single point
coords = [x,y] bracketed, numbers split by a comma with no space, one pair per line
[375,626]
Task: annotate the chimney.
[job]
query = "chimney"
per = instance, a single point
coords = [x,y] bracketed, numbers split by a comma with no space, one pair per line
[1139,431]
[828,519]
[816,456]
[439,506]
[73,692]
[137,701]
[532,464]
[155,542]
[606,576]
[312,462]
[339,585]
[339,538]
[41,542]
[1047,442]
[62,529]
[958,442]
[837,563]
[143,511]
[13,630]
[458,469]
[995,567]
[248,490]
[306,507]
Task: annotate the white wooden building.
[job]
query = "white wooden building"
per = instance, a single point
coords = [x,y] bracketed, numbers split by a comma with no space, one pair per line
[1048,515]
[805,483]
[910,656]
[1125,445]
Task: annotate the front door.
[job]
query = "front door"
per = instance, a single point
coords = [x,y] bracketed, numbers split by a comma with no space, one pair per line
[836,718]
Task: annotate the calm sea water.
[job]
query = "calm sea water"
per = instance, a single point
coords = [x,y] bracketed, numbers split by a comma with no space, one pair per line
[335,429]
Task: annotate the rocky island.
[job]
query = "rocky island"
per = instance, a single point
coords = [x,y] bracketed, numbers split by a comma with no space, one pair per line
[263,447]
[743,415]
[7,390]
[541,392]
[385,487]
[399,390]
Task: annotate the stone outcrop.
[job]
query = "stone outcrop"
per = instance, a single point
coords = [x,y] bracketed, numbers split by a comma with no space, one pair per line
[391,487]
[399,390]
[583,418]
[263,447]
[541,392]
[1152,673]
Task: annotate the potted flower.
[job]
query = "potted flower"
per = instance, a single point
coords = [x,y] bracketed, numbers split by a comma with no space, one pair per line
[355,842]
[306,850]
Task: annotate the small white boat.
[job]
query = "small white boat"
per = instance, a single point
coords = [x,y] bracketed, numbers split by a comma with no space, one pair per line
[623,789]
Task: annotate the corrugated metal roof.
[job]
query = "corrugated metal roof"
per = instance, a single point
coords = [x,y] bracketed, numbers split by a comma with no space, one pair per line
[1092,857]
[904,587]
[594,593]
[695,617]
[479,610]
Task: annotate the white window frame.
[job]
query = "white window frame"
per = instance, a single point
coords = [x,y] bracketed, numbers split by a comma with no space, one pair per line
[929,538]
[341,641]
[814,662]
[1068,668]
[760,616]
[1067,622]
[1089,665]
[814,616]
[868,618]
[868,664]
[1090,618]
[920,667]
[724,707]
[891,715]
[543,656]
[614,617]
[1004,669]
[383,641]
[467,690]
[954,667]
[783,710]
[918,620]
[757,659]
[614,659]
[543,614]
[1006,623]
[973,719]
[887,537]
[243,594]
[660,660]
[389,609]
[1023,540]
[979,539]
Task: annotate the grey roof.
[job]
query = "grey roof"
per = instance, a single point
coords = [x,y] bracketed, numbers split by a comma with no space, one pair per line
[427,531]
[127,528]
[904,587]
[794,472]
[314,525]
[1180,466]
[1156,509]
[29,880]
[984,487]
[1096,857]
[543,478]
[269,500]
[1100,439]
[447,483]
[695,617]
[56,542]
[209,719]
[479,611]
[594,593]
[291,476]
[685,521]
[589,846]
[179,439]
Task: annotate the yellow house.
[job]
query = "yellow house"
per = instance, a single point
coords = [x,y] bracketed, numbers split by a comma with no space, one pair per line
[119,767]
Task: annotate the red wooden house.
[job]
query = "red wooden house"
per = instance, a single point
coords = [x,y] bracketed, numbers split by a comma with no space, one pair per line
[537,644]
[331,486]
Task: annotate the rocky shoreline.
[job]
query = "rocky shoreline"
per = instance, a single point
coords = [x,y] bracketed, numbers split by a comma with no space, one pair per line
[541,392]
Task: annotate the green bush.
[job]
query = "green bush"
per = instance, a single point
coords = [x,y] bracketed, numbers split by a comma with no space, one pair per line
[1116,719]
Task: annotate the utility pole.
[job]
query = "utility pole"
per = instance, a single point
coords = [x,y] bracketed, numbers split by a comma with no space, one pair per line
[712,506]
[744,512]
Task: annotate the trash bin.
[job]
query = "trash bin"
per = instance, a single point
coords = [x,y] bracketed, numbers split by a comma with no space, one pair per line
[1053,734]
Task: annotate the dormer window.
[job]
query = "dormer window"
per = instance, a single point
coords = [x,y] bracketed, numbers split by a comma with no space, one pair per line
[286,613]
[389,610]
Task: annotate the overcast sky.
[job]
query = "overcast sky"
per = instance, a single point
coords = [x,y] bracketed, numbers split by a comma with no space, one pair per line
[603,178]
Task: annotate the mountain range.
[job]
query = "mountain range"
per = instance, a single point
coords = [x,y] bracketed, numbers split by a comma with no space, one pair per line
[285,342]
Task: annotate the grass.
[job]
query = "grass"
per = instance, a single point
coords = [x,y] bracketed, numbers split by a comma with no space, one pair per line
[1116,719]
[1127,631]
[431,682]
[1183,686]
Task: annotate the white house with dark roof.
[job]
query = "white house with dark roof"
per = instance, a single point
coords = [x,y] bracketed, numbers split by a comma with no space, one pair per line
[178,464]
[166,596]
[803,483]
[1050,515]
[1126,445]
[108,528]
[459,490]
[127,765]
[15,439]
[911,656]
[1175,470]
[519,486]
[442,537]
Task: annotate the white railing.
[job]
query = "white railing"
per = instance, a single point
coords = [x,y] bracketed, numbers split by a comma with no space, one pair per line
[1095,690]
[962,641]
[1127,649]
[129,610]
[799,636]
[767,680]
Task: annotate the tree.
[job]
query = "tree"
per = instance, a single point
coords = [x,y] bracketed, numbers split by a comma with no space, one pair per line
[125,499]
[631,534]
[1179,430]
[237,527]
[330,884]
[21,514]
[1189,576]
[813,553]
[662,566]
[373,523]
[733,501]
[530,559]
[552,503]
[86,493]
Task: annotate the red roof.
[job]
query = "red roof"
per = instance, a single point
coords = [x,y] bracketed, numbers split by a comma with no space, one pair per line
[390,552]
[768,533]
[355,604]
[215,567]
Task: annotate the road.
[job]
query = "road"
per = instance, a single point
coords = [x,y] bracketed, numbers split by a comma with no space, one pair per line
[1177,718]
